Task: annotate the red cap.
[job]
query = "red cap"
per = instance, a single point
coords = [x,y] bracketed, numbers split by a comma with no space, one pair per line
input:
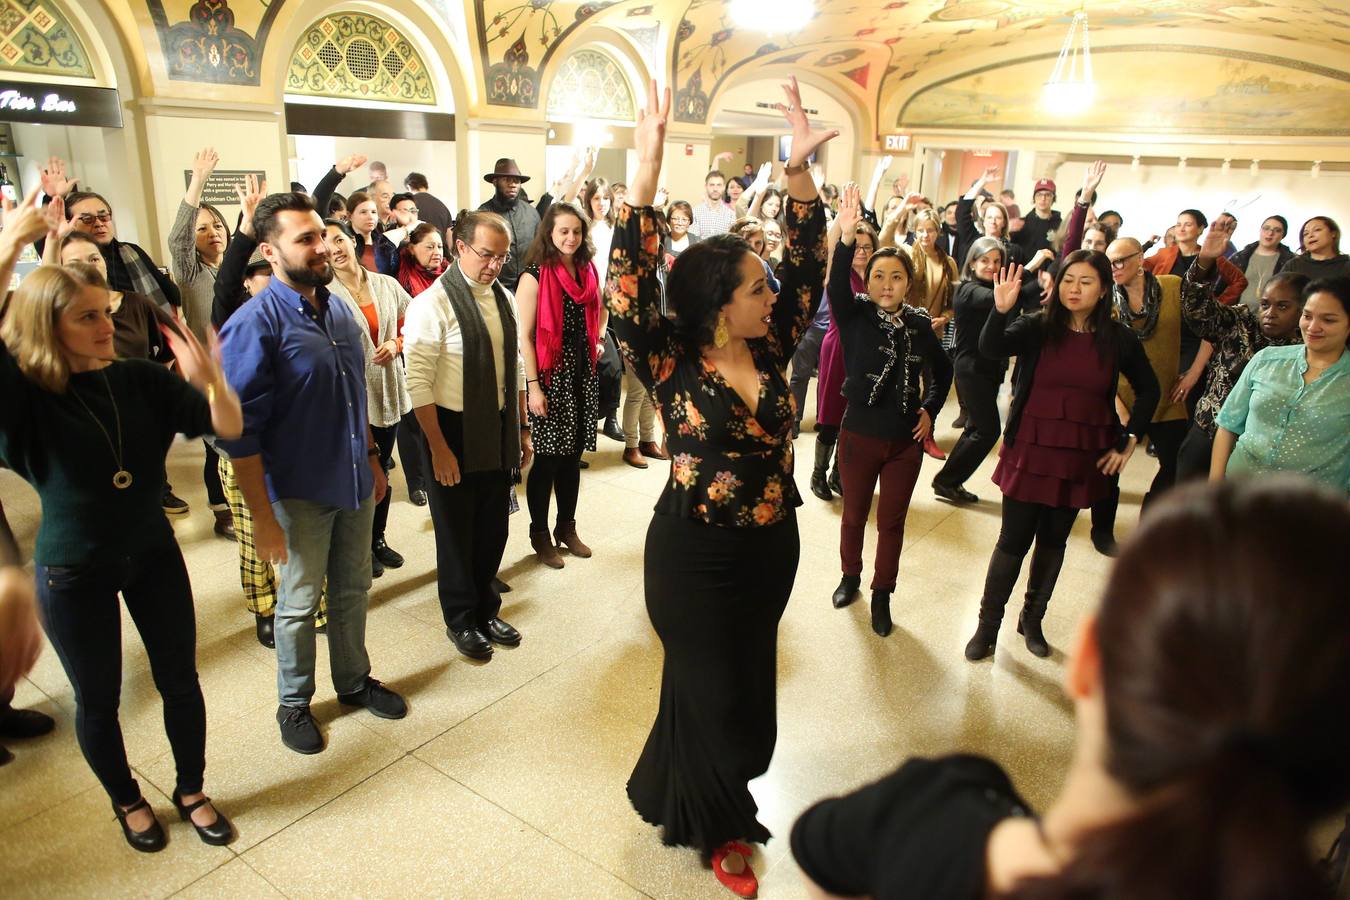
[1045,184]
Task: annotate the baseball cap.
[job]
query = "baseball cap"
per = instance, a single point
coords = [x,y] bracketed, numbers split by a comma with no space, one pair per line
[1045,184]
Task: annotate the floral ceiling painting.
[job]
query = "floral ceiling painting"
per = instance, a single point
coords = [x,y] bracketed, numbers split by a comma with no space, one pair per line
[361,57]
[211,41]
[36,37]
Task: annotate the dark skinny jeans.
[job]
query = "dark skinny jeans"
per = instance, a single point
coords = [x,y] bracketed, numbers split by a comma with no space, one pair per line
[550,475]
[979,399]
[81,614]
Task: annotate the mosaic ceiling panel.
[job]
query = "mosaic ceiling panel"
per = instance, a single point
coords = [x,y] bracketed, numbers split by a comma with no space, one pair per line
[360,57]
[36,37]
[210,41]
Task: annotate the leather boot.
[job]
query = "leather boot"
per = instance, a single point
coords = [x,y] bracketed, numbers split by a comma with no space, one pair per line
[881,611]
[998,585]
[566,535]
[819,486]
[1045,566]
[544,551]
[835,484]
[224,523]
[1104,523]
[847,591]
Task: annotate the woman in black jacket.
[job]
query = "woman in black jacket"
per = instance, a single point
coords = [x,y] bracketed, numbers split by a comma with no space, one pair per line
[1063,441]
[886,346]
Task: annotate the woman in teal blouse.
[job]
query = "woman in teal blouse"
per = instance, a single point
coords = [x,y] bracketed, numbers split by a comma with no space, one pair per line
[1290,410]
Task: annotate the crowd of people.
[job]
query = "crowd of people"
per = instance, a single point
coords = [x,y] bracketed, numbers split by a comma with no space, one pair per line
[325,334]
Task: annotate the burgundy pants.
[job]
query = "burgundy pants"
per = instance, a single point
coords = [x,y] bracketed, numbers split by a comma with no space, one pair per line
[862,461]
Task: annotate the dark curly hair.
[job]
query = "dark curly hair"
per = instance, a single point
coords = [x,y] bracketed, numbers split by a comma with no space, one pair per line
[701,282]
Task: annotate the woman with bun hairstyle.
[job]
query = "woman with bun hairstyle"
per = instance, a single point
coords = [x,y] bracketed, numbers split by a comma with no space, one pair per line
[1208,744]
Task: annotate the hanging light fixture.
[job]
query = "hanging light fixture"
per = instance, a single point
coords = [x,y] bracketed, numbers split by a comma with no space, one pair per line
[774,16]
[1071,88]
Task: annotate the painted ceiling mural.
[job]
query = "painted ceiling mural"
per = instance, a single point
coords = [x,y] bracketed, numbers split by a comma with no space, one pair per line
[212,41]
[35,37]
[358,56]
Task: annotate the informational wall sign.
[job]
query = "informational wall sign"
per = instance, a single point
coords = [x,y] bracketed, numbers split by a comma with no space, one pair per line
[59,104]
[898,142]
[219,189]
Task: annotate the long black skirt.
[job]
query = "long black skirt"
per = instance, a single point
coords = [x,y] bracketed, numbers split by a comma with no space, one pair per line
[715,596]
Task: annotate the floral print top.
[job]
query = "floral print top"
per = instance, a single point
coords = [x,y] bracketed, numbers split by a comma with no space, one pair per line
[728,467]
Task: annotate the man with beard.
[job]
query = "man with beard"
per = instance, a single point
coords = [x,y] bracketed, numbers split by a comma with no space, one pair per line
[523,218]
[307,463]
[712,216]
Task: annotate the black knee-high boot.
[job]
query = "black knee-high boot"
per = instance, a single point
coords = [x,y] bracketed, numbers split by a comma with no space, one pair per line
[835,483]
[1104,522]
[1045,566]
[819,486]
[998,585]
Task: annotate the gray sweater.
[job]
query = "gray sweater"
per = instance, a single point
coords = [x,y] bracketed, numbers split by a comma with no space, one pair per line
[196,282]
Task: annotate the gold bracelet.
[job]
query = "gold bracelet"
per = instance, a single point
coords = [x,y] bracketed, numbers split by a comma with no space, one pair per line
[210,393]
[797,170]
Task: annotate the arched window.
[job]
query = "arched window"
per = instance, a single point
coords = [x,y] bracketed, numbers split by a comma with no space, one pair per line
[591,85]
[357,56]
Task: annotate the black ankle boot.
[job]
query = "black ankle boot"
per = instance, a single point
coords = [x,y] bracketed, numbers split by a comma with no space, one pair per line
[835,484]
[847,591]
[1029,626]
[881,612]
[1045,566]
[819,486]
[998,585]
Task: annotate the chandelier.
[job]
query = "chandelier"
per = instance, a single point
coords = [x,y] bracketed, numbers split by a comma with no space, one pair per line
[1071,88]
[775,16]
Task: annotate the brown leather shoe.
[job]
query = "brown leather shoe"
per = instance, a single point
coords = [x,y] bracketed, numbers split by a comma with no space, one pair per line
[224,523]
[544,551]
[651,451]
[633,456]
[566,534]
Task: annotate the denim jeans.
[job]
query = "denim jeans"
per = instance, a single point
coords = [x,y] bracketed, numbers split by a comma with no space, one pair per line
[322,540]
[84,621]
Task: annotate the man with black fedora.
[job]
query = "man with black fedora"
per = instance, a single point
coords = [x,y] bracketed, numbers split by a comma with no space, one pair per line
[523,218]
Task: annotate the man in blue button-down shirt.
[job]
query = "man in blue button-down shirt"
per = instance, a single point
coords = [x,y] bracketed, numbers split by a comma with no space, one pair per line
[306,463]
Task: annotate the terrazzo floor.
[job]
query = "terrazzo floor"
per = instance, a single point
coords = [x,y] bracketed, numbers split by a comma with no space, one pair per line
[507,779]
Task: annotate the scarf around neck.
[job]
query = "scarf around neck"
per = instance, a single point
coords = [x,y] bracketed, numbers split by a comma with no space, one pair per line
[1152,305]
[896,350]
[557,286]
[415,277]
[486,448]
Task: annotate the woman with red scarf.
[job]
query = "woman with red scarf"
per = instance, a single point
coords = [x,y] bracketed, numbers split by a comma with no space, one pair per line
[422,259]
[562,326]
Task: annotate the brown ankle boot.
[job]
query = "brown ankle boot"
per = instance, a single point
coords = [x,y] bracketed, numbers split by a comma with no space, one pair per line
[566,533]
[544,551]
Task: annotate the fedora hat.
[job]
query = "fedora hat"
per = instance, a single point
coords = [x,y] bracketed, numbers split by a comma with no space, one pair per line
[505,166]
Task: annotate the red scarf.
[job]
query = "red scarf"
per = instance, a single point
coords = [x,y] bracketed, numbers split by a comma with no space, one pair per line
[416,277]
[555,285]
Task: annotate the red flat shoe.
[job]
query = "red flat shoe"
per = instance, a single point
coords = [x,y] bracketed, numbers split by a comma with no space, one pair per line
[931,447]
[743,885]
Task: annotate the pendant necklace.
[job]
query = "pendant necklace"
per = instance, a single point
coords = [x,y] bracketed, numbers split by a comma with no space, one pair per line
[121,478]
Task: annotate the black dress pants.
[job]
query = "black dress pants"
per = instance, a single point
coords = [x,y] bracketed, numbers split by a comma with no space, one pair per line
[979,396]
[1194,456]
[1167,438]
[410,443]
[384,441]
[470,521]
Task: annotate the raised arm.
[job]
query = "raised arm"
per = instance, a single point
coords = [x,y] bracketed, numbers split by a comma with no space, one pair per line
[878,173]
[229,291]
[1208,318]
[323,192]
[24,224]
[1235,281]
[997,340]
[844,303]
[1073,231]
[183,234]
[632,291]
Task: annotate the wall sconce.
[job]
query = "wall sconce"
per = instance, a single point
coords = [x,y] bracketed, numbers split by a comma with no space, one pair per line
[1256,168]
[1181,164]
[1227,166]
[1317,168]
[1134,162]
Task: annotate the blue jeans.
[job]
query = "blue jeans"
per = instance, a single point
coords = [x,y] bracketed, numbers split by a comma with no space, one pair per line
[322,541]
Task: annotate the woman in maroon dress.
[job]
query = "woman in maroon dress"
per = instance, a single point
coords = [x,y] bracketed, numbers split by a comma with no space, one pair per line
[1063,441]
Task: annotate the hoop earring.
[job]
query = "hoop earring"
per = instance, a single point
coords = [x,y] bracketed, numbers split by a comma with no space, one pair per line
[722,335]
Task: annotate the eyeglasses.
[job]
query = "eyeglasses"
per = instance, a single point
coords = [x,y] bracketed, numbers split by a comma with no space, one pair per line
[1120,263]
[91,218]
[492,257]
[678,220]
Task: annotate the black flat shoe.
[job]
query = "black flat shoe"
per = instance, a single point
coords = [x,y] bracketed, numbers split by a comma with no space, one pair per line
[956,494]
[391,558]
[471,642]
[500,632]
[25,723]
[266,635]
[152,840]
[847,591]
[376,567]
[217,834]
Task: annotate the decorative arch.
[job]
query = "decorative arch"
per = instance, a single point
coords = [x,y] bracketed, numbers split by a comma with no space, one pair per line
[592,84]
[355,55]
[37,38]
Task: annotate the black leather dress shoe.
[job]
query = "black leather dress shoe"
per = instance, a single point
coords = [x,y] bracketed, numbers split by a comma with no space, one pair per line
[266,635]
[376,567]
[501,633]
[418,498]
[217,834]
[956,494]
[847,591]
[377,698]
[471,642]
[24,723]
[391,558]
[611,429]
[149,841]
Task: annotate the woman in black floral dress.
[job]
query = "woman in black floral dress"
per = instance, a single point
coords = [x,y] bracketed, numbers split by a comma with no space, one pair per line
[722,549]
[562,327]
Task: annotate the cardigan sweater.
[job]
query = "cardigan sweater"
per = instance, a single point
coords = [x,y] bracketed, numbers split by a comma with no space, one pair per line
[1025,337]
[386,385]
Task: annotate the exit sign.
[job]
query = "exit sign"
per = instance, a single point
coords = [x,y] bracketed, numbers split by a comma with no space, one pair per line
[897,142]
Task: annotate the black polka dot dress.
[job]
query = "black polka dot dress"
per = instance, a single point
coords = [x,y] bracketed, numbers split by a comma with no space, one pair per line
[573,391]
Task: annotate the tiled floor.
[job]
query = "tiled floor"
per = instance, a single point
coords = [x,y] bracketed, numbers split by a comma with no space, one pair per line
[507,779]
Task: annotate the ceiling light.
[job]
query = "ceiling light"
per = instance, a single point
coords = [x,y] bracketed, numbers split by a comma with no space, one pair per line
[1071,88]
[773,16]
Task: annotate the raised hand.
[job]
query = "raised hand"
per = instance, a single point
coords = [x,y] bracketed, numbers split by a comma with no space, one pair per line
[1007,285]
[805,140]
[1216,238]
[204,163]
[650,133]
[762,177]
[23,224]
[724,156]
[1091,180]
[55,182]
[662,198]
[850,211]
[250,194]
[199,367]
[588,164]
[885,163]
[989,175]
[348,163]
